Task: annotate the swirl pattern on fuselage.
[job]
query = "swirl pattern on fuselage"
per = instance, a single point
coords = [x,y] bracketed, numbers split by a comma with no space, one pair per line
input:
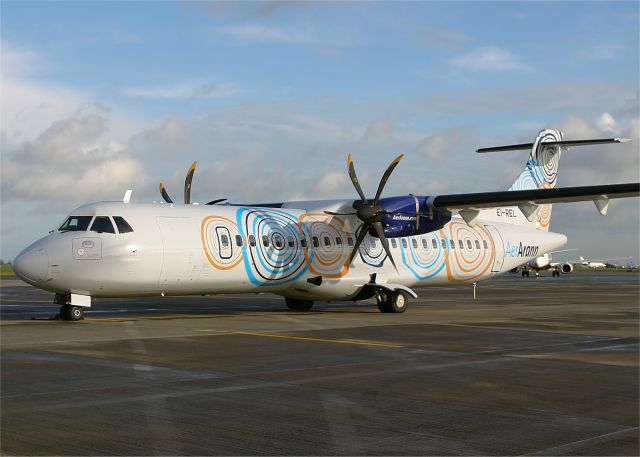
[276,255]
[214,231]
[428,258]
[330,257]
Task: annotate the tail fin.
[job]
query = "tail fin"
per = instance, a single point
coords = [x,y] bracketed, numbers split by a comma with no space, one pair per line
[541,171]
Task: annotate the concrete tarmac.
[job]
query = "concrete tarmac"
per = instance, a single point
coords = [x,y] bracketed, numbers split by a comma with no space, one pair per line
[543,366]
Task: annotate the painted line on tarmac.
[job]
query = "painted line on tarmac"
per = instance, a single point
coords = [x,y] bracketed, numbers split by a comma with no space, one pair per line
[576,446]
[304,338]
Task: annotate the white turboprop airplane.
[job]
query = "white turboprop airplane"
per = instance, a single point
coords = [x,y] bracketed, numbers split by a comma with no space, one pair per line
[309,250]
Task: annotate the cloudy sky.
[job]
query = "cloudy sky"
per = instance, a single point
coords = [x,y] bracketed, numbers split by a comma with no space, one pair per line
[270,97]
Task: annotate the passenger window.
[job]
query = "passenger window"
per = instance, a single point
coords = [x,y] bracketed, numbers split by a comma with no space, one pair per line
[252,240]
[477,244]
[290,241]
[338,241]
[123,226]
[224,239]
[265,241]
[469,246]
[461,244]
[316,241]
[102,224]
[303,242]
[452,243]
[434,243]
[425,245]
[444,243]
[327,241]
[76,224]
[238,240]
[278,241]
[404,242]
[414,243]
[394,244]
[484,243]
[350,241]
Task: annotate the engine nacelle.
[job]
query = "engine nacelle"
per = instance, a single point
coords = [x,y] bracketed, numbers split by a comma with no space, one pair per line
[405,222]
[566,267]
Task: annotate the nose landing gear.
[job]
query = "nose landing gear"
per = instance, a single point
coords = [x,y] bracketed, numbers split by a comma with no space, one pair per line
[70,311]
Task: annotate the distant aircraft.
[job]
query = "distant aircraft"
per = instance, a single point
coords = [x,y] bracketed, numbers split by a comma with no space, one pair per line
[544,262]
[309,250]
[601,263]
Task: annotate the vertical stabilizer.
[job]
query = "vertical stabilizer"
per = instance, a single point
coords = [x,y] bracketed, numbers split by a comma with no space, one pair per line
[541,171]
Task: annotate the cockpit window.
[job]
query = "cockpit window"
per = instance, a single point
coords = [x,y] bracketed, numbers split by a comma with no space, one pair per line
[76,224]
[102,224]
[123,226]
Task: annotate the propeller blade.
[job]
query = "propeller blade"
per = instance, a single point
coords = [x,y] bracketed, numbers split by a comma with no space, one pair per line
[385,177]
[331,213]
[216,201]
[354,178]
[383,239]
[363,233]
[164,194]
[187,183]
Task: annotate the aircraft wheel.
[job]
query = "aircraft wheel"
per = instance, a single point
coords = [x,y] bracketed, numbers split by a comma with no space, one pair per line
[398,302]
[298,305]
[382,301]
[71,313]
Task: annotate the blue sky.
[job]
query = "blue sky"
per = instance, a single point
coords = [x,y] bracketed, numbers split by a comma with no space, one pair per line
[270,97]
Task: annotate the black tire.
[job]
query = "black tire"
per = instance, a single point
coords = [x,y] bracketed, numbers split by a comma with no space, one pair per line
[295,304]
[398,302]
[524,273]
[71,313]
[384,307]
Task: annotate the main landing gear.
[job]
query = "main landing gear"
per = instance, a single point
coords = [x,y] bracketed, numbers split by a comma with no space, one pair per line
[295,304]
[392,302]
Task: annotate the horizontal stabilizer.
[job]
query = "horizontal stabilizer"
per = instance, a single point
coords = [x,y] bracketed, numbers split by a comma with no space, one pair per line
[565,144]
[533,196]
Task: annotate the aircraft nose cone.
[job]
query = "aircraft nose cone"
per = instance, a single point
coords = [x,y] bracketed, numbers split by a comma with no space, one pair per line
[31,265]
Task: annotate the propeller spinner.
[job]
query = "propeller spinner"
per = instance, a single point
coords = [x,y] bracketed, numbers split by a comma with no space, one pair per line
[187,188]
[370,212]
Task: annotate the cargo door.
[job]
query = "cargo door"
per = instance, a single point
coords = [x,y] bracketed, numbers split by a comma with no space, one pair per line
[182,253]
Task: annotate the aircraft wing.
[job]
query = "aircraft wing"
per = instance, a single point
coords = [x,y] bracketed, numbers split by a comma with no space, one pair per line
[468,205]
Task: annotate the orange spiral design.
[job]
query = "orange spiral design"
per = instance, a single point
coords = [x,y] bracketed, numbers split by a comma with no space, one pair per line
[327,261]
[211,243]
[467,264]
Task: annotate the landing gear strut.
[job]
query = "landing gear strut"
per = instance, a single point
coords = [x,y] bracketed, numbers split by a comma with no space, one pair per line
[392,302]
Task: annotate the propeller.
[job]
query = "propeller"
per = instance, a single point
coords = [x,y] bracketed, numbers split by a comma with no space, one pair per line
[187,188]
[369,211]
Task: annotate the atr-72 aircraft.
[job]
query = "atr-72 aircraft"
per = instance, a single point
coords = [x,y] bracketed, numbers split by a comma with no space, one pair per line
[309,250]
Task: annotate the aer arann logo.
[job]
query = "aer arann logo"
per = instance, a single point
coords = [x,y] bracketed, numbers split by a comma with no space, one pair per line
[520,250]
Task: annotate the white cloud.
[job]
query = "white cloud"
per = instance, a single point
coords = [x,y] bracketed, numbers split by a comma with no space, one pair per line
[71,160]
[606,123]
[489,58]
